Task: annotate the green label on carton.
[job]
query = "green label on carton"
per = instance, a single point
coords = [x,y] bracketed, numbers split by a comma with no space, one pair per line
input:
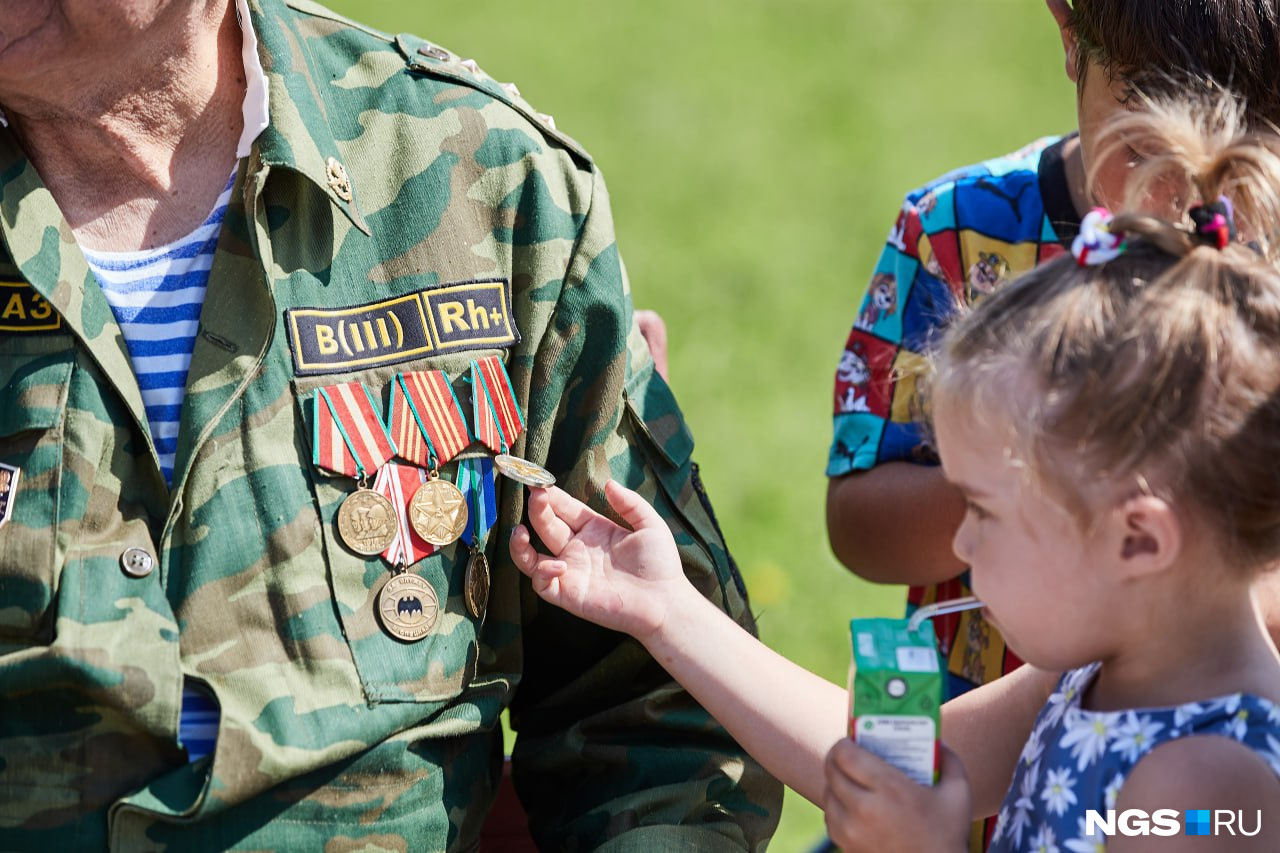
[895,691]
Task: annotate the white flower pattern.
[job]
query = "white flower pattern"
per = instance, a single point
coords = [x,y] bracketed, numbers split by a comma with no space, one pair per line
[1086,842]
[1076,760]
[1045,841]
[1086,736]
[1135,736]
[1058,794]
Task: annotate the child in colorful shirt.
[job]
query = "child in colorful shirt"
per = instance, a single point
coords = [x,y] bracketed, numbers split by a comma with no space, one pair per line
[890,514]
[1104,418]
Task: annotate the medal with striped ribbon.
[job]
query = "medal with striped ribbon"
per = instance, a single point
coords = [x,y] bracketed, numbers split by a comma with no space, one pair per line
[351,440]
[499,421]
[475,476]
[408,606]
[427,423]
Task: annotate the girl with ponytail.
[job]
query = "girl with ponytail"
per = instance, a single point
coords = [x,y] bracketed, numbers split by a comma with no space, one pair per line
[1113,421]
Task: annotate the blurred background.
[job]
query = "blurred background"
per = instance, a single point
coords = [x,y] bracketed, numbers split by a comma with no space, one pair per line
[757,153]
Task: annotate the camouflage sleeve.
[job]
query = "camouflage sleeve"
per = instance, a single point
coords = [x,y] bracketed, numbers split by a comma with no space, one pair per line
[908,300]
[611,754]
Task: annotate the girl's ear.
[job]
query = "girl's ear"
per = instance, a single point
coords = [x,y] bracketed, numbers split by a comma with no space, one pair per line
[1061,11]
[1147,535]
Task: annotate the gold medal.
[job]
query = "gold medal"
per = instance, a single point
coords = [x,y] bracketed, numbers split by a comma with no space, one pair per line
[522,471]
[438,512]
[476,589]
[367,522]
[408,607]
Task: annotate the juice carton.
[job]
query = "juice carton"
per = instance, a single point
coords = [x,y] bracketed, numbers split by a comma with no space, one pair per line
[895,692]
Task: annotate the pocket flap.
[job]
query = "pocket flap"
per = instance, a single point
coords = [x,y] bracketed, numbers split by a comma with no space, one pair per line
[35,393]
[657,416]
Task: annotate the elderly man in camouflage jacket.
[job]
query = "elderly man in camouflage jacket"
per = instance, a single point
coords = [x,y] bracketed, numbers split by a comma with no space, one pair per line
[172,539]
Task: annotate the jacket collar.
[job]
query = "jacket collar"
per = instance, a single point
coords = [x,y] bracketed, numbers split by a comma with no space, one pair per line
[298,136]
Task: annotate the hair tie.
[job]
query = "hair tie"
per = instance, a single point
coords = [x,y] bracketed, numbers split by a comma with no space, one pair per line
[1097,243]
[1215,222]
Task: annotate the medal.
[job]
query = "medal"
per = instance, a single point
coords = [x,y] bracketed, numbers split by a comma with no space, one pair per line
[438,512]
[523,471]
[499,421]
[408,607]
[350,439]
[475,477]
[430,430]
[367,522]
[425,419]
[476,589]
[497,414]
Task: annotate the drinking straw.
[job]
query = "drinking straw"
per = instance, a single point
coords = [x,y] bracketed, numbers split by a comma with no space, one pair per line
[940,608]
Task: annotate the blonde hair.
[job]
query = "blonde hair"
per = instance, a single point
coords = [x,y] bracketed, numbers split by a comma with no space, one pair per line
[1159,370]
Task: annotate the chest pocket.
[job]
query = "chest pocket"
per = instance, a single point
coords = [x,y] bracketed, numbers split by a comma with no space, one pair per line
[439,666]
[33,399]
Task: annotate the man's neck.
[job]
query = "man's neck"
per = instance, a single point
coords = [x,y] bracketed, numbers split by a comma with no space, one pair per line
[136,162]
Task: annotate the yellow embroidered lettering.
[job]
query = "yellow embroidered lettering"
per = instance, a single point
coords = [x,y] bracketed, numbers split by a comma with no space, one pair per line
[479,316]
[451,314]
[14,308]
[325,342]
[40,309]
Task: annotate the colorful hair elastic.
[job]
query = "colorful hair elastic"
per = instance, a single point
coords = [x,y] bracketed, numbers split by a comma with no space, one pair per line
[1097,243]
[1215,222]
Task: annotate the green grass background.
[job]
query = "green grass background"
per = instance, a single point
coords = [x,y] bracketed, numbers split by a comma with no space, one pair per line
[756,153]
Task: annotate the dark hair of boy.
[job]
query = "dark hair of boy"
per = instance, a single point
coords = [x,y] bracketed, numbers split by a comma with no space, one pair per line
[1139,41]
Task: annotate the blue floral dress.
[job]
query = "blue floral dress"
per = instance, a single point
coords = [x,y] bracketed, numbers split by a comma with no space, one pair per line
[1076,760]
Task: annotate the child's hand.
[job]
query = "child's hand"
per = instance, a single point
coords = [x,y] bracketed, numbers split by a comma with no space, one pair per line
[872,806]
[621,579]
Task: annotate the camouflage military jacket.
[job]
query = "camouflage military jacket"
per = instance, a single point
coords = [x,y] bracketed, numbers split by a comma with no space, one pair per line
[393,180]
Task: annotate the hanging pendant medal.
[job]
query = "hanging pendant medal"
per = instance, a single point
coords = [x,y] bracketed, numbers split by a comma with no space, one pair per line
[476,589]
[366,522]
[430,430]
[408,607]
[523,471]
[438,511]
[499,422]
[407,604]
[351,440]
[475,476]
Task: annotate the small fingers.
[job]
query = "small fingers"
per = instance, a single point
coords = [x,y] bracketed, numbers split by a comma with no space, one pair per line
[860,765]
[573,512]
[543,571]
[547,522]
[634,509]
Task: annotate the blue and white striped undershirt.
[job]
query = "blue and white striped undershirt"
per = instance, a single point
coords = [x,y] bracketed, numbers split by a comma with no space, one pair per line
[156,295]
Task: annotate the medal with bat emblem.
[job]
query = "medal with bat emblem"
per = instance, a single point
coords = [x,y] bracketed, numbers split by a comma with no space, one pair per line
[408,607]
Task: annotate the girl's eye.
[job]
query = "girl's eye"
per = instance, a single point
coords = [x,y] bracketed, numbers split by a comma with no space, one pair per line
[976,511]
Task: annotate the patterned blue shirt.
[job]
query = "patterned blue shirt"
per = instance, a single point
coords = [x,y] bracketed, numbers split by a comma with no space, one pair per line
[1077,760]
